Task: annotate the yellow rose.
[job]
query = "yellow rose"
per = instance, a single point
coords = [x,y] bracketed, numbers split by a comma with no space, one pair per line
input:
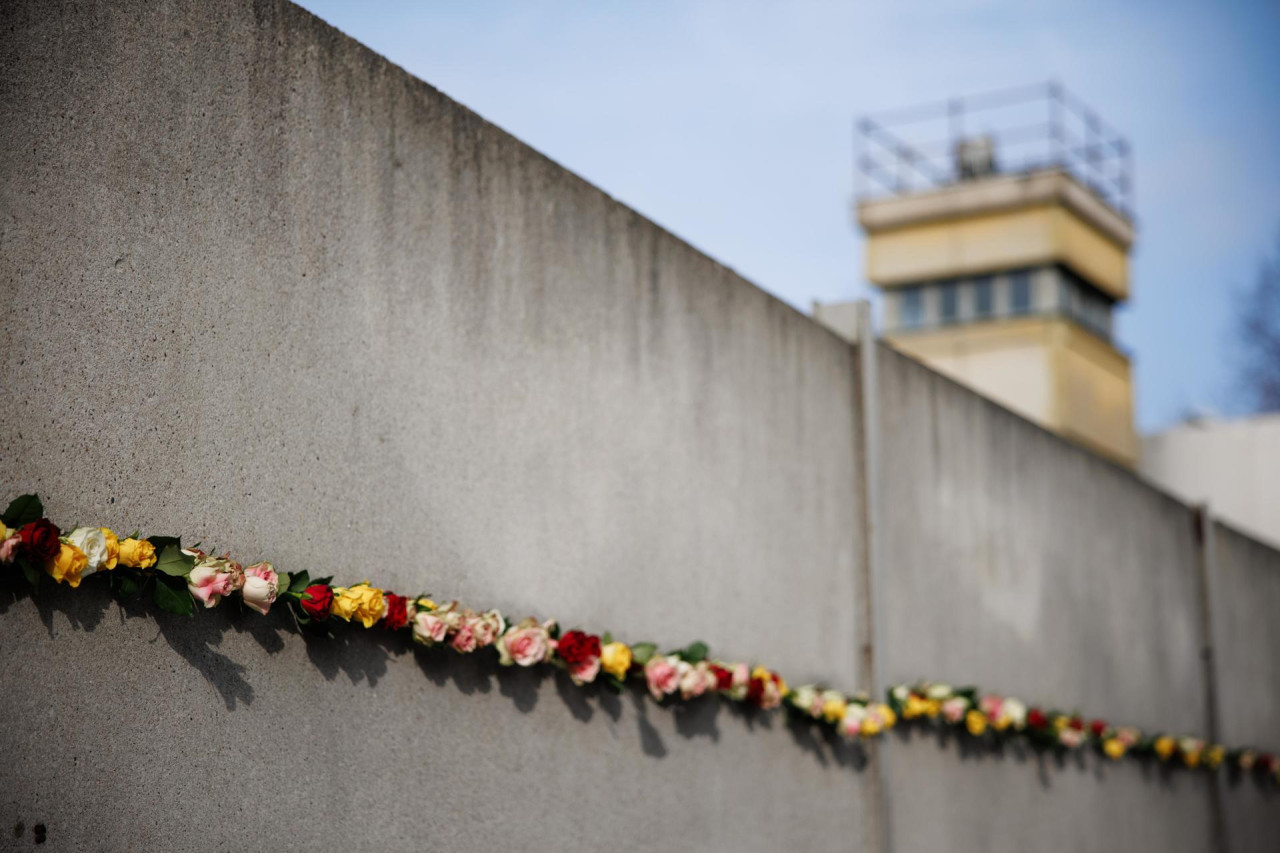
[976,722]
[69,565]
[615,659]
[1213,756]
[914,707]
[871,726]
[361,601]
[1001,722]
[1114,748]
[890,718]
[833,705]
[1060,722]
[1164,747]
[113,549]
[137,554]
[932,708]
[5,532]
[426,604]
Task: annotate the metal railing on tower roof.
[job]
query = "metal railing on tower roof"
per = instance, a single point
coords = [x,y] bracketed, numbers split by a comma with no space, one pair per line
[1008,132]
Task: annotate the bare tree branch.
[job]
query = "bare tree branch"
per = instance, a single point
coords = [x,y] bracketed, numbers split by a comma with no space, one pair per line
[1257,325]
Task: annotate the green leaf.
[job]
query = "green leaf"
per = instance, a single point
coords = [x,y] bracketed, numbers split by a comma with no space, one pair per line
[124,585]
[32,574]
[174,563]
[174,598]
[606,639]
[23,510]
[282,581]
[298,583]
[162,543]
[695,653]
[642,652]
[613,684]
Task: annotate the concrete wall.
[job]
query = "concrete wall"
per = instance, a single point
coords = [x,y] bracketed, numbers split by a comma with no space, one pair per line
[1244,593]
[1019,562]
[266,289]
[263,288]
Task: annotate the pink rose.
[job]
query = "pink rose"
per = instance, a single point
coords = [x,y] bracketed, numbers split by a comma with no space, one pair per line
[213,577]
[1070,738]
[585,672]
[428,628]
[9,548]
[261,585]
[486,627]
[953,710]
[464,640]
[990,706]
[663,674]
[525,644]
[851,723]
[451,616]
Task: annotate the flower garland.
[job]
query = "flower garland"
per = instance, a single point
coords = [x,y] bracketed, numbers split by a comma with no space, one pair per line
[178,579]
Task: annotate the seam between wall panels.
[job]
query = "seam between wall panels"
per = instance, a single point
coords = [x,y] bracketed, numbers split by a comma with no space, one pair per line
[878,836]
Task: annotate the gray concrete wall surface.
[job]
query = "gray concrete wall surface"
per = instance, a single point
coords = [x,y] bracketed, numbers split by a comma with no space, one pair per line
[1032,568]
[1244,594]
[262,288]
[265,289]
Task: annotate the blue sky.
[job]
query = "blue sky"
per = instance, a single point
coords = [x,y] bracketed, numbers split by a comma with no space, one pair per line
[730,123]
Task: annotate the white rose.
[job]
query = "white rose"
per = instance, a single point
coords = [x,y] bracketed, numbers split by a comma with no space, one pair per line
[93,542]
[938,691]
[261,585]
[805,698]
[1015,711]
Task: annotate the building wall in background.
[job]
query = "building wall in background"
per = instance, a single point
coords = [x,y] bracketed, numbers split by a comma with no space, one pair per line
[1234,466]
[265,289]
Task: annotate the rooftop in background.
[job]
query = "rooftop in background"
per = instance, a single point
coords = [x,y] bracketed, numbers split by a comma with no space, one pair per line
[1009,132]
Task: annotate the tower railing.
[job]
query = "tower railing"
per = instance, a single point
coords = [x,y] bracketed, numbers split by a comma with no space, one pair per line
[1012,131]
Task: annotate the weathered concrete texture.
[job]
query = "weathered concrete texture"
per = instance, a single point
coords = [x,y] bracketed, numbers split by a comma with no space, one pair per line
[124,731]
[1032,568]
[1244,595]
[265,289]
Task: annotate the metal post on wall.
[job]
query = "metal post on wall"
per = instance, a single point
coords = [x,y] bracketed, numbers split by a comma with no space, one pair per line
[868,583]
[1202,527]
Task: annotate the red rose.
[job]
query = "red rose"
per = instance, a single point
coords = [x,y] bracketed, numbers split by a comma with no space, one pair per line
[397,615]
[40,540]
[1098,727]
[724,678]
[316,601]
[1267,762]
[576,648]
[1036,719]
[755,691]
[1076,723]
